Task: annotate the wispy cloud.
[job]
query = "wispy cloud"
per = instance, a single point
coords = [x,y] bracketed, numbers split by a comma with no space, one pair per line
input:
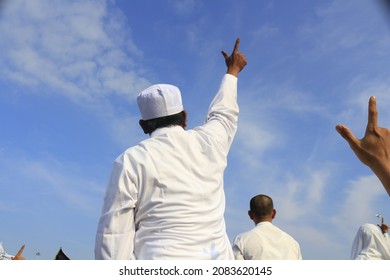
[355,111]
[48,179]
[252,137]
[335,30]
[82,50]
[264,33]
[318,244]
[184,7]
[359,205]
[302,194]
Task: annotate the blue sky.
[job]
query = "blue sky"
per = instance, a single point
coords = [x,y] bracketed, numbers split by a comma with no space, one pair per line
[70,72]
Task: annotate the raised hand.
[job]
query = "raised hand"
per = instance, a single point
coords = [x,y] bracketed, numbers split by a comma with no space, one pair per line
[236,61]
[18,255]
[384,227]
[374,148]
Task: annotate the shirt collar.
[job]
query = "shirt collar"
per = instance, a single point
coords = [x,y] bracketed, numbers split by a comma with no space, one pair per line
[164,130]
[263,223]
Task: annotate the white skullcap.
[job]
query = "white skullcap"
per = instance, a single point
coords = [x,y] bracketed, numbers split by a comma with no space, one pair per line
[159,101]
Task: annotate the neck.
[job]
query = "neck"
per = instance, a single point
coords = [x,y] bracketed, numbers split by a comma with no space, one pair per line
[257,221]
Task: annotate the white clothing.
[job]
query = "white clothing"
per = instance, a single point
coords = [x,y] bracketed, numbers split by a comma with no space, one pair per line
[165,198]
[159,101]
[266,242]
[3,254]
[370,244]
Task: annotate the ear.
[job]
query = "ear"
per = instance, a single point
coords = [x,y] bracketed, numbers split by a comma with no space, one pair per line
[143,126]
[250,214]
[184,119]
[273,214]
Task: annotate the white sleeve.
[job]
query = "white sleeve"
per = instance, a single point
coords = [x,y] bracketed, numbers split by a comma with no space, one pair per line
[116,228]
[223,112]
[236,249]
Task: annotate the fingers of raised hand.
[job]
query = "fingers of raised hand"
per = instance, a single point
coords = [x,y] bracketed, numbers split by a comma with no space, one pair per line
[225,55]
[19,253]
[372,123]
[235,50]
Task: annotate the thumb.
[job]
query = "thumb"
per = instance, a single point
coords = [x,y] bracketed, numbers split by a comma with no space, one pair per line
[346,133]
[225,55]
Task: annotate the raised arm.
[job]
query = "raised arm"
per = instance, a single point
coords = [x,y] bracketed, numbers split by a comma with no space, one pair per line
[222,116]
[384,227]
[18,255]
[236,61]
[374,148]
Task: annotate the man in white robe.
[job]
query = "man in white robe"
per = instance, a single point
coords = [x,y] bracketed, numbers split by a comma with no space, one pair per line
[165,198]
[371,243]
[265,241]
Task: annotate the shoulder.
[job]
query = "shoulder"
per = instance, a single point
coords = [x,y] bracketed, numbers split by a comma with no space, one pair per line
[286,235]
[131,153]
[247,234]
[243,235]
[369,227]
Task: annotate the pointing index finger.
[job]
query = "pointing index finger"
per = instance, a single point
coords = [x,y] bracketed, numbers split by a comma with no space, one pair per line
[19,253]
[235,50]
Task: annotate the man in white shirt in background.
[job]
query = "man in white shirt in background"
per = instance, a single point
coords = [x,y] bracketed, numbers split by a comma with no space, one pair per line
[165,198]
[265,241]
[371,243]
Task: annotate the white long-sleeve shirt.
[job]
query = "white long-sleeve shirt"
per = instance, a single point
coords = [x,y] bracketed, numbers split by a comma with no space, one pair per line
[165,198]
[266,242]
[370,244]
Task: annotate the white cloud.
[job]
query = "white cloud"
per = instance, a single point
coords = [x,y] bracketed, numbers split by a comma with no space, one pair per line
[355,111]
[340,26]
[264,33]
[318,244]
[266,98]
[82,50]
[359,205]
[267,119]
[362,91]
[301,195]
[253,141]
[184,7]
[48,180]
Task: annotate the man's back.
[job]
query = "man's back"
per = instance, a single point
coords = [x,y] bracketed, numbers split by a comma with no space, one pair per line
[266,242]
[181,201]
[370,244]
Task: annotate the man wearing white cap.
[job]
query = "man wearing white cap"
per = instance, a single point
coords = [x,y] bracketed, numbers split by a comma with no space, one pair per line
[165,198]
